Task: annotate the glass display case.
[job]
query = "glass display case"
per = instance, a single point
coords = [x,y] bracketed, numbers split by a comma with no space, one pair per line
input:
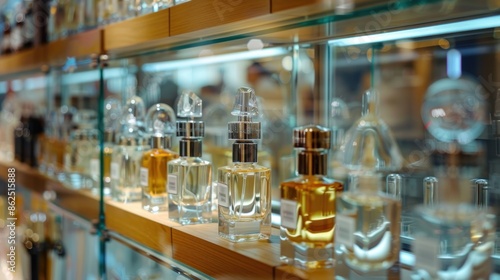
[432,63]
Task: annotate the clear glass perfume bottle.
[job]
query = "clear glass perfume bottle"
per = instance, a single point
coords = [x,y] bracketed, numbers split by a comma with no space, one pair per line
[190,177]
[454,238]
[371,145]
[82,146]
[244,187]
[308,203]
[339,117]
[368,225]
[112,114]
[127,153]
[160,123]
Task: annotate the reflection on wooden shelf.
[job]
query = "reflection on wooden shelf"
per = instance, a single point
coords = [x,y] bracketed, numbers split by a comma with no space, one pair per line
[80,45]
[200,247]
[80,202]
[137,31]
[151,230]
[201,15]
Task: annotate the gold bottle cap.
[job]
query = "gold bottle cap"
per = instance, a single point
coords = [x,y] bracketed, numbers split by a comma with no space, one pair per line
[311,137]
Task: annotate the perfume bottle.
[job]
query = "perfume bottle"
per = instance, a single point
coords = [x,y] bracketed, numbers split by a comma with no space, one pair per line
[127,153]
[82,146]
[454,238]
[371,145]
[308,203]
[368,225]
[244,190]
[340,117]
[112,113]
[160,122]
[190,177]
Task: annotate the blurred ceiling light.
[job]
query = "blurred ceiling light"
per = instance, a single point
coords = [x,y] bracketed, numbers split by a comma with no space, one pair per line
[255,44]
[185,63]
[419,32]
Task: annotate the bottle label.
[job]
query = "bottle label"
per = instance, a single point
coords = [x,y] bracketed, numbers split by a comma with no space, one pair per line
[344,230]
[143,176]
[67,161]
[115,171]
[289,214]
[172,184]
[223,195]
[94,168]
[426,251]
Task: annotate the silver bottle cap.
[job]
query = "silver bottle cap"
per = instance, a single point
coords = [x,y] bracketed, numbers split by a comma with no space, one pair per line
[312,137]
[190,129]
[480,192]
[315,141]
[245,107]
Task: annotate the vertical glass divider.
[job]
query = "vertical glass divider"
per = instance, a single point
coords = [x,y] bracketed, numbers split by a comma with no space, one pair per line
[102,222]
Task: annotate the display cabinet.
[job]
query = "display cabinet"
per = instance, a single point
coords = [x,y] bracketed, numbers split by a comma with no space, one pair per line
[433,64]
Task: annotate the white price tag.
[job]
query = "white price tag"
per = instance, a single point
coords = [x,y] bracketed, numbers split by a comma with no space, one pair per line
[223,195]
[344,230]
[426,251]
[94,168]
[172,184]
[67,161]
[288,214]
[143,176]
[115,171]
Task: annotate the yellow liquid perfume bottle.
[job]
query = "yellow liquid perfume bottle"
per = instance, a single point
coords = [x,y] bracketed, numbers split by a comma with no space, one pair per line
[190,177]
[244,187]
[308,203]
[160,122]
[127,153]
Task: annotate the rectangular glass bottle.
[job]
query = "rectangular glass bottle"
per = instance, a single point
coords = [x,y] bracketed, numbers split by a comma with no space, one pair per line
[368,226]
[308,203]
[125,169]
[308,221]
[153,179]
[244,202]
[189,190]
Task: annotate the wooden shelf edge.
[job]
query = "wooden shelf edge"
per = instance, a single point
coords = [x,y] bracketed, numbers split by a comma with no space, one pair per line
[200,247]
[79,202]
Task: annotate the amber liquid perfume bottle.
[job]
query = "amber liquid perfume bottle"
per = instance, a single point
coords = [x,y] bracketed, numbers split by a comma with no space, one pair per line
[368,225]
[244,187]
[160,122]
[308,203]
[190,177]
[127,154]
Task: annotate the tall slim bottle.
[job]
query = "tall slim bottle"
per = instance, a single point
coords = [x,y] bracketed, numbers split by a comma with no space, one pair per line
[367,225]
[112,113]
[244,189]
[127,153]
[308,203]
[190,177]
[160,122]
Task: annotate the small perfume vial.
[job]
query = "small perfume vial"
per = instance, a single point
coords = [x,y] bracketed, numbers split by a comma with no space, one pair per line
[160,122]
[244,187]
[190,177]
[308,203]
